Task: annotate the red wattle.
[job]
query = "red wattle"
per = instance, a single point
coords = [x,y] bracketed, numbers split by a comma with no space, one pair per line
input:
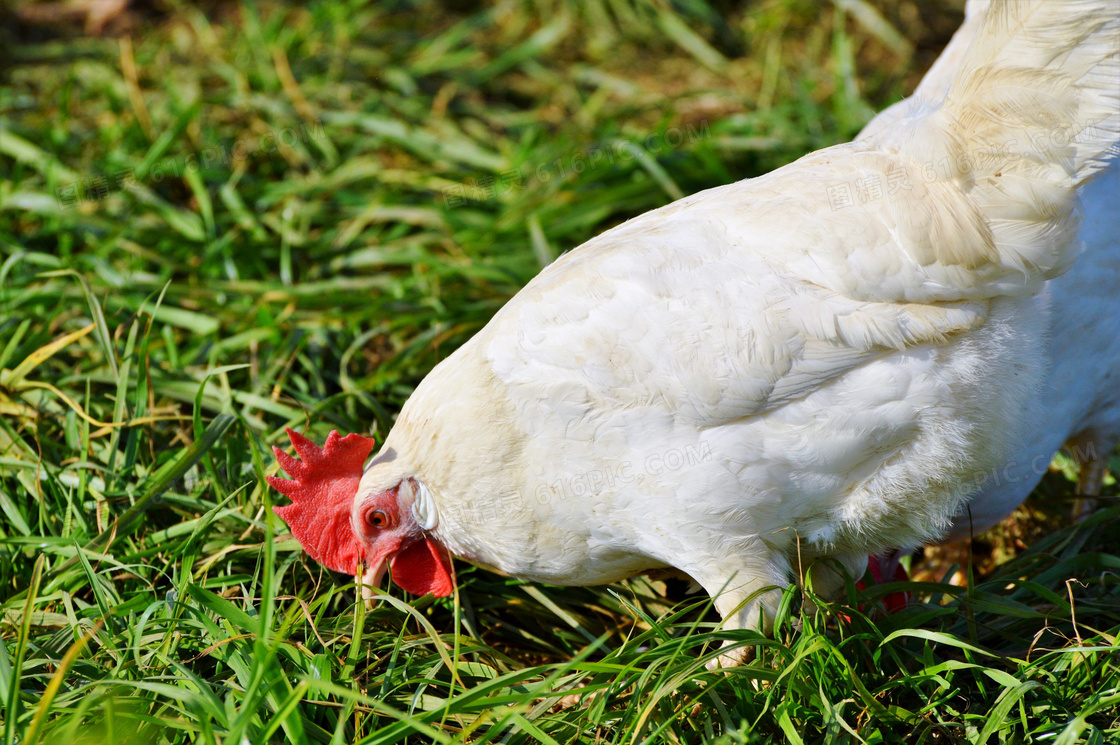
[422,567]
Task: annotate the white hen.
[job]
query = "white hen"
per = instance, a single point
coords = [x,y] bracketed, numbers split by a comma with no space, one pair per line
[1079,403]
[809,363]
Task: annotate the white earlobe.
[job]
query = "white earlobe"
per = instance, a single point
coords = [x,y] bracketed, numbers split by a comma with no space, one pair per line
[423,506]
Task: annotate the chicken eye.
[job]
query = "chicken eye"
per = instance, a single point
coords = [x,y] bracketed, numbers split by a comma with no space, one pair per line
[377,519]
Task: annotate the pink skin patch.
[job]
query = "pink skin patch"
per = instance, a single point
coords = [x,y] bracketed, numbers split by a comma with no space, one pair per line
[322,490]
[896,601]
[420,564]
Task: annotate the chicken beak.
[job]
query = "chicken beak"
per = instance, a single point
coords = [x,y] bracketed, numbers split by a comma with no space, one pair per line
[370,580]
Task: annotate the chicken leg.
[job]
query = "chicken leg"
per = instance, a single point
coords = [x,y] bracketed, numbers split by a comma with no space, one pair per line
[747,593]
[1091,451]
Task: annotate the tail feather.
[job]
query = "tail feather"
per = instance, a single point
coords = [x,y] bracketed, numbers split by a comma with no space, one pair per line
[1032,113]
[935,84]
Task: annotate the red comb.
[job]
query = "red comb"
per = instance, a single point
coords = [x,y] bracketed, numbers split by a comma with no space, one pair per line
[322,490]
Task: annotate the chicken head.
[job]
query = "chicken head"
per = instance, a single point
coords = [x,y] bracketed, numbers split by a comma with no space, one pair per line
[345,530]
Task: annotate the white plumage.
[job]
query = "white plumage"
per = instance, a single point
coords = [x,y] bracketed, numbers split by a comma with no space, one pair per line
[810,363]
[1079,402]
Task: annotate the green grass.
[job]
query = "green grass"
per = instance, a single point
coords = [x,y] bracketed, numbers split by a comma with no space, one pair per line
[364,220]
